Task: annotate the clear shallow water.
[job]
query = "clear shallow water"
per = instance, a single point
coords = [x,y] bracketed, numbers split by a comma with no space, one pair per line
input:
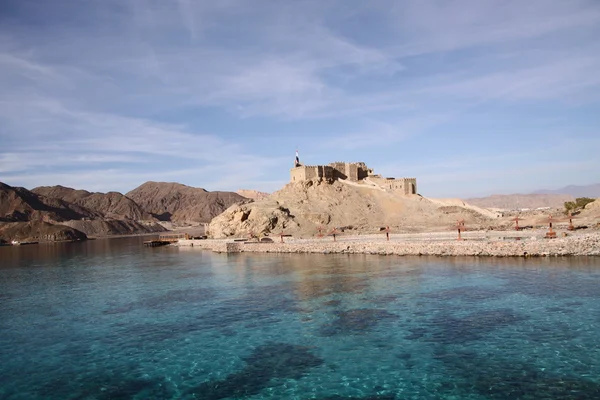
[109,319]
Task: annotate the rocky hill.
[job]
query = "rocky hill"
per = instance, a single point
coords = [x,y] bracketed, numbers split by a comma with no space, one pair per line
[18,204]
[300,208]
[521,201]
[109,205]
[94,214]
[168,201]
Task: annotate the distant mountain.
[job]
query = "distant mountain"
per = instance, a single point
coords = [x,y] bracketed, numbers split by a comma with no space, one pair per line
[540,198]
[521,201]
[253,194]
[88,213]
[592,191]
[109,205]
[18,204]
[169,201]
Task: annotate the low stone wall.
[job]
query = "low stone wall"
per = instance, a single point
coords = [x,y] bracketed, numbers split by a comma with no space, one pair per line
[577,245]
[218,246]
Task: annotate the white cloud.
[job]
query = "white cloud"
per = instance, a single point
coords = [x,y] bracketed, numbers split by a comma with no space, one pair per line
[104,88]
[428,26]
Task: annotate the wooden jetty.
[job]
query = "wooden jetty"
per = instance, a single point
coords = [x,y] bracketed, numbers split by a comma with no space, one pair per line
[156,243]
[166,239]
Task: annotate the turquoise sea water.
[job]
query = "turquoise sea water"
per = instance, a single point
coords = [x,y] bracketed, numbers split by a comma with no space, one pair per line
[110,319]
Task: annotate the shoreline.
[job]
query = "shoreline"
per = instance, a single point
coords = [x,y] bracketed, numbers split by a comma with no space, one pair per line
[499,244]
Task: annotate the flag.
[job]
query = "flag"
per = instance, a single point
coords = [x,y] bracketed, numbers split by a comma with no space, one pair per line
[297,159]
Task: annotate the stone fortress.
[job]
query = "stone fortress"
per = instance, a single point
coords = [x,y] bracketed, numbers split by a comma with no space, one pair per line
[355,172]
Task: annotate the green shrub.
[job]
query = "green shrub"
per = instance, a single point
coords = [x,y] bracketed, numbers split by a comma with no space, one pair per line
[581,202]
[578,204]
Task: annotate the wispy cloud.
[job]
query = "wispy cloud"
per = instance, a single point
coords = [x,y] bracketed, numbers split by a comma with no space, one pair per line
[142,86]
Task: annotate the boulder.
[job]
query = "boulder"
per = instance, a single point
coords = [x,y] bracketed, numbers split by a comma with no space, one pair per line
[257,218]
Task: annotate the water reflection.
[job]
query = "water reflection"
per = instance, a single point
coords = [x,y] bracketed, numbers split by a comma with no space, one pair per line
[267,362]
[112,319]
[70,253]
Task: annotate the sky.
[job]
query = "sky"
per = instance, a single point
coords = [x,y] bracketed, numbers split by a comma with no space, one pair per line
[471,97]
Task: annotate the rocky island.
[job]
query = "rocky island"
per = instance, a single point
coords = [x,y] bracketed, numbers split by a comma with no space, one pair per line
[346,208]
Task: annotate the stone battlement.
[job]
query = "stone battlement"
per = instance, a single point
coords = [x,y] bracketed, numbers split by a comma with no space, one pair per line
[351,163]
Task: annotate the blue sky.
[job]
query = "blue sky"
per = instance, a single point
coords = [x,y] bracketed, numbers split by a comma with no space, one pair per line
[471,97]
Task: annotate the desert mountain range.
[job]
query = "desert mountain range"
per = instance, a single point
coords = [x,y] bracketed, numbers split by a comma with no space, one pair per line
[253,194]
[591,191]
[521,201]
[174,202]
[555,198]
[106,205]
[50,213]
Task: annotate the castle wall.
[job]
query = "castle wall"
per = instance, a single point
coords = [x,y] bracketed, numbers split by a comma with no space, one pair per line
[297,174]
[339,170]
[390,184]
[363,172]
[403,186]
[411,185]
[311,172]
[307,172]
[352,172]
[328,172]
